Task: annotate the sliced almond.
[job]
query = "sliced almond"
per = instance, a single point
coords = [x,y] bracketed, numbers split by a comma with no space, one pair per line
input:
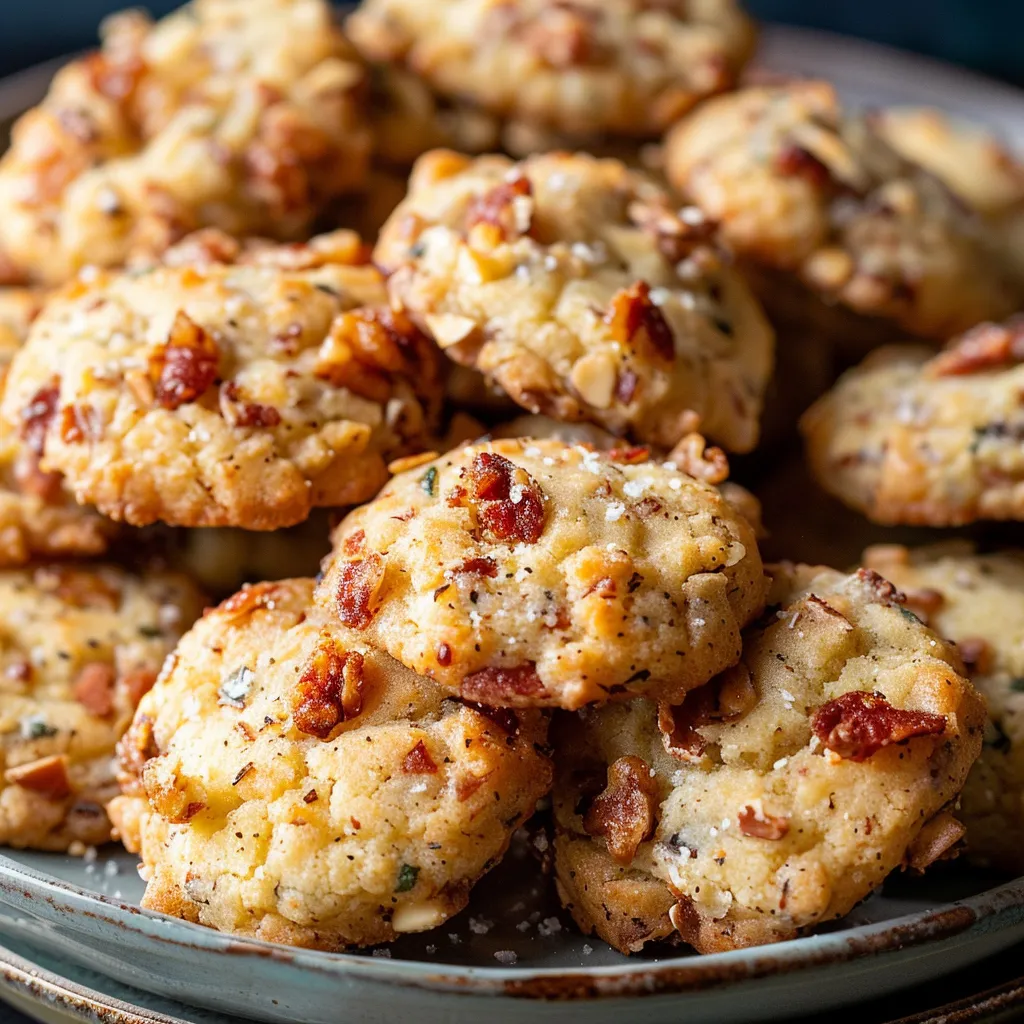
[449,328]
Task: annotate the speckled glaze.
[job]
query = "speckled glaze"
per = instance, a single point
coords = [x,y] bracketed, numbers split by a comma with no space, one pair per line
[75,937]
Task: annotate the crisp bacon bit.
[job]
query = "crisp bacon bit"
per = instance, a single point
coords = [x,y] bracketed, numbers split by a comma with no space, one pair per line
[190,812]
[48,777]
[632,310]
[250,599]
[357,586]
[508,501]
[817,607]
[36,416]
[30,479]
[498,207]
[793,160]
[353,543]
[935,841]
[466,785]
[185,368]
[311,797]
[78,423]
[625,386]
[504,718]
[419,762]
[247,414]
[632,456]
[676,238]
[728,696]
[923,602]
[330,689]
[624,813]
[977,654]
[604,588]
[563,37]
[519,685]
[137,683]
[859,724]
[444,655]
[693,456]
[646,507]
[985,347]
[883,589]
[760,825]
[479,567]
[94,688]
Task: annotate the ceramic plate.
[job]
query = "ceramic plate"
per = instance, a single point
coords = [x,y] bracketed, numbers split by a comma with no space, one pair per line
[76,937]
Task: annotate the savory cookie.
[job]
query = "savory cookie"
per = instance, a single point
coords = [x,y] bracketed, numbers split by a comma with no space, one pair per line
[575,285]
[977,600]
[781,794]
[78,648]
[533,572]
[917,438]
[38,518]
[213,394]
[242,114]
[625,67]
[286,782]
[808,190]
[972,161]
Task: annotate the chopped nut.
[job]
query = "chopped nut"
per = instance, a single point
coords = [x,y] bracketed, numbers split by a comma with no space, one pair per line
[624,813]
[48,777]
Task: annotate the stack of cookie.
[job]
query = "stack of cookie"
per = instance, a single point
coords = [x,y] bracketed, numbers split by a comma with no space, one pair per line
[569,604]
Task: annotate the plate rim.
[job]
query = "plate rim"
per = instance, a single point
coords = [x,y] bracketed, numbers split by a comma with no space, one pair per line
[979,913]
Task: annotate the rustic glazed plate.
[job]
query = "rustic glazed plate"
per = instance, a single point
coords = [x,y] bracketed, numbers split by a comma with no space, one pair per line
[79,948]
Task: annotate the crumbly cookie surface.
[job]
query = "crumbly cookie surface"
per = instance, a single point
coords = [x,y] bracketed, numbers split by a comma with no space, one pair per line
[802,186]
[977,165]
[532,572]
[246,116]
[38,518]
[574,284]
[916,438]
[224,395]
[587,67]
[287,782]
[78,647]
[783,793]
[977,600]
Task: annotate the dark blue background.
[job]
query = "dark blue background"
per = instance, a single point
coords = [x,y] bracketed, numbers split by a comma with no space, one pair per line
[984,34]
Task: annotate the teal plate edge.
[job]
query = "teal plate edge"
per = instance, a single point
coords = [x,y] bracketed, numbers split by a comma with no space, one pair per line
[60,906]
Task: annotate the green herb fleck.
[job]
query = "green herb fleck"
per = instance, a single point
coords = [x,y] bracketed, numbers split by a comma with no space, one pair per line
[429,481]
[152,632]
[908,614]
[235,687]
[406,877]
[1017,685]
[36,729]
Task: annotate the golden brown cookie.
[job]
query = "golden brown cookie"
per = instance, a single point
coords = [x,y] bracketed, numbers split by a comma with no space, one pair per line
[977,600]
[78,648]
[246,116]
[916,438]
[577,287]
[213,394]
[780,795]
[288,782]
[815,197]
[530,572]
[623,67]
[38,518]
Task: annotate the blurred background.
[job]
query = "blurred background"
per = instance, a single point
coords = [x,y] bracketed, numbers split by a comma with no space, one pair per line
[981,34]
